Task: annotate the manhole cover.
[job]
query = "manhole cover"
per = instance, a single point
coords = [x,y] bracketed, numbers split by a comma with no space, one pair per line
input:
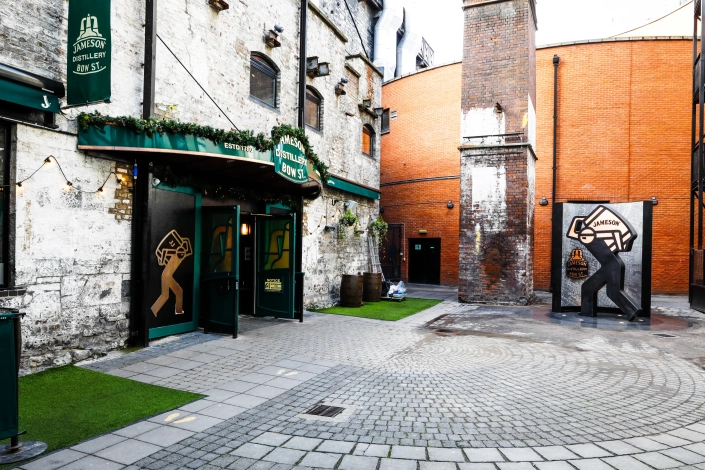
[664,335]
[326,411]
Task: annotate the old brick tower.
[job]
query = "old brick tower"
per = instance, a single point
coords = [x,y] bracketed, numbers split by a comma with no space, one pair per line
[497,151]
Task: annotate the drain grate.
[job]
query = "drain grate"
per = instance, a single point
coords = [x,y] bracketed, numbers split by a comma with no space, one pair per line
[664,335]
[324,410]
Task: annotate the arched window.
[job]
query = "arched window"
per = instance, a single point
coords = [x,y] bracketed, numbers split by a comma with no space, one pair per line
[264,79]
[368,140]
[314,108]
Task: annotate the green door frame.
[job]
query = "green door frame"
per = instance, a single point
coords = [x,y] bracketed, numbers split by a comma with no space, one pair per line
[193,324]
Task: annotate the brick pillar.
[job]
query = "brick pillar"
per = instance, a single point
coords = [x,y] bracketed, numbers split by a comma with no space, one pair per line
[497,152]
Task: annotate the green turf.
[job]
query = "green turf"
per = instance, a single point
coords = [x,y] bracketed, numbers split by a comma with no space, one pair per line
[66,405]
[384,310]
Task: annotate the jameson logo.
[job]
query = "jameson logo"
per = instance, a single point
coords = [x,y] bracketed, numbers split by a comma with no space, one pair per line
[89,48]
[290,160]
[89,51]
[577,267]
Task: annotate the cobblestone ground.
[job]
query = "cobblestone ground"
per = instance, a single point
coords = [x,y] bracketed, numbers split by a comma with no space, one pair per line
[454,387]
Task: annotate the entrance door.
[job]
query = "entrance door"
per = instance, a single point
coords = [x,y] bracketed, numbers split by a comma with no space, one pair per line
[425,260]
[276,250]
[220,280]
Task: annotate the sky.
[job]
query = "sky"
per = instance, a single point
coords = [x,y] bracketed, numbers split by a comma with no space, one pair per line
[559,21]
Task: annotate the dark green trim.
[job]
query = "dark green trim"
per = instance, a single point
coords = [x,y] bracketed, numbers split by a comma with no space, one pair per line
[352,188]
[278,206]
[31,97]
[193,324]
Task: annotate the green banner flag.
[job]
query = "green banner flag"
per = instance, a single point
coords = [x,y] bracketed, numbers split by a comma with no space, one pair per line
[290,160]
[89,54]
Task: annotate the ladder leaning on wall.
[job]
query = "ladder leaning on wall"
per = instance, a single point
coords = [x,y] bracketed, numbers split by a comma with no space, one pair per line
[376,267]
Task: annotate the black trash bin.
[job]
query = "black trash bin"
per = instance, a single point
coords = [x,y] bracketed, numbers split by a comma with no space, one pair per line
[10,352]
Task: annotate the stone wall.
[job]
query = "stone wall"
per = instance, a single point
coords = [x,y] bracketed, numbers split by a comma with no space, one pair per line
[71,255]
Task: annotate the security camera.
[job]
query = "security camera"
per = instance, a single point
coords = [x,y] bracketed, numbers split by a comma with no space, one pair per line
[278,28]
[344,80]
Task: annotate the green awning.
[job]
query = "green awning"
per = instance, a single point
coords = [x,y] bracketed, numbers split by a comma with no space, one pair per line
[352,188]
[29,96]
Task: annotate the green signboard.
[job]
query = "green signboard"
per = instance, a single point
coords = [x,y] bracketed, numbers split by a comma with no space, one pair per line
[28,96]
[290,160]
[88,67]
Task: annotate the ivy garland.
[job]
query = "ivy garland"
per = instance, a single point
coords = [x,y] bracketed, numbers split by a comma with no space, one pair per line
[260,142]
[217,191]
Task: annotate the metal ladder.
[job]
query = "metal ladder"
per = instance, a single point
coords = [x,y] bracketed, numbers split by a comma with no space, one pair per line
[376,267]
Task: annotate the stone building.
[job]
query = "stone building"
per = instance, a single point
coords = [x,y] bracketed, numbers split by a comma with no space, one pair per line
[622,136]
[113,233]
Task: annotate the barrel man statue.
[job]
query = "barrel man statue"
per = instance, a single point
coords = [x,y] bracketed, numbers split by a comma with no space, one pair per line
[605,234]
[171,252]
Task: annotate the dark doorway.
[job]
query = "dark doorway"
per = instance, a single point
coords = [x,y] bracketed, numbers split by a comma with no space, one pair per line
[390,253]
[425,260]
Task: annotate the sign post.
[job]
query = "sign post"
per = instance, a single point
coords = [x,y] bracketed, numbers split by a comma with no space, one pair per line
[89,52]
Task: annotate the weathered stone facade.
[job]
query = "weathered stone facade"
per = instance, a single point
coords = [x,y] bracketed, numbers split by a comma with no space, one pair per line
[497,157]
[72,249]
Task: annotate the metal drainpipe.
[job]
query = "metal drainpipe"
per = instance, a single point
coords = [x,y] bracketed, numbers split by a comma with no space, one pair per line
[556,61]
[302,63]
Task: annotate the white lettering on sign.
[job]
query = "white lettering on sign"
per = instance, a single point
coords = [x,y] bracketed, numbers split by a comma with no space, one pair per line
[288,140]
[248,149]
[296,173]
[290,156]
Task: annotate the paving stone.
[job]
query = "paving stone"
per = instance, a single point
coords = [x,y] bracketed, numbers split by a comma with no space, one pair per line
[165,436]
[408,452]
[478,466]
[128,452]
[237,386]
[271,439]
[446,455]
[398,464]
[222,411]
[484,455]
[553,465]
[515,466]
[358,462]
[265,391]
[555,453]
[338,447]
[618,447]
[698,448]
[521,454]
[287,456]
[303,443]
[252,451]
[590,464]
[626,462]
[320,460]
[99,443]
[55,460]
[669,440]
[688,434]
[93,463]
[437,466]
[377,450]
[646,444]
[657,460]
[243,400]
[197,406]
[195,422]
[588,451]
[684,455]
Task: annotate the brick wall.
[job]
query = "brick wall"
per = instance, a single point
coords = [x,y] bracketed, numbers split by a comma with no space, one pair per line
[497,173]
[623,135]
[423,143]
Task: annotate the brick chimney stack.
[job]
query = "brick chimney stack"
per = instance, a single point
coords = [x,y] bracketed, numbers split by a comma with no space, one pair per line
[497,151]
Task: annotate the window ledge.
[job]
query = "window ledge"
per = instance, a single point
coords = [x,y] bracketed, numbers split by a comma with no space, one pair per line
[314,129]
[16,291]
[265,104]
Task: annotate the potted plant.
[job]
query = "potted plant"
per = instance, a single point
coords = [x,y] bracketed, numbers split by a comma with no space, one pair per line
[346,221]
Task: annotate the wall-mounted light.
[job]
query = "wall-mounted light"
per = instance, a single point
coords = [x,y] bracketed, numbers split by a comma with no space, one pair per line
[219,5]
[340,87]
[381,209]
[271,38]
[654,201]
[450,205]
[543,201]
[367,103]
[379,111]
[423,232]
[314,68]
[245,229]
[350,205]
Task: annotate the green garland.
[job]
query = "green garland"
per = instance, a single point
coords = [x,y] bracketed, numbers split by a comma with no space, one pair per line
[171,178]
[260,142]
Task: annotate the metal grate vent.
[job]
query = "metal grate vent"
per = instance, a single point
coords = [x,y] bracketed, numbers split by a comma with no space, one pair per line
[664,335]
[324,410]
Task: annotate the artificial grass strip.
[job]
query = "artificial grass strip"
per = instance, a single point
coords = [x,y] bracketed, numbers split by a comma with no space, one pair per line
[67,405]
[385,310]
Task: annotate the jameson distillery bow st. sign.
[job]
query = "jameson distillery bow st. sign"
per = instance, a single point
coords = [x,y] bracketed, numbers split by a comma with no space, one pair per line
[88,68]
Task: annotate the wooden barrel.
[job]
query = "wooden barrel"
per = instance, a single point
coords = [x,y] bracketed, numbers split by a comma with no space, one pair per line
[372,291]
[351,291]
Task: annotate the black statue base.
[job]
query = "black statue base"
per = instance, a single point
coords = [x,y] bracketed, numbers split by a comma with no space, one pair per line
[23,451]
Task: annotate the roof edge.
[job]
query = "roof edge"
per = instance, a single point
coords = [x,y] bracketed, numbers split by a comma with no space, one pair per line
[617,39]
[417,72]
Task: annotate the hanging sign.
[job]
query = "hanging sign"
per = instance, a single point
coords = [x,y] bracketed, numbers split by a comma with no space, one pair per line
[89,54]
[290,160]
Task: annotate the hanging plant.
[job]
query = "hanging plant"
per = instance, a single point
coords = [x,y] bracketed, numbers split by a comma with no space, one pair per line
[348,219]
[378,229]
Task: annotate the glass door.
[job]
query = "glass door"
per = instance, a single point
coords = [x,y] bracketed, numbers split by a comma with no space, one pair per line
[276,250]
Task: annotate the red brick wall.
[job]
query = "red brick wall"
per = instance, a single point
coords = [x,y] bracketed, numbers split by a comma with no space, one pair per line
[425,136]
[623,135]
